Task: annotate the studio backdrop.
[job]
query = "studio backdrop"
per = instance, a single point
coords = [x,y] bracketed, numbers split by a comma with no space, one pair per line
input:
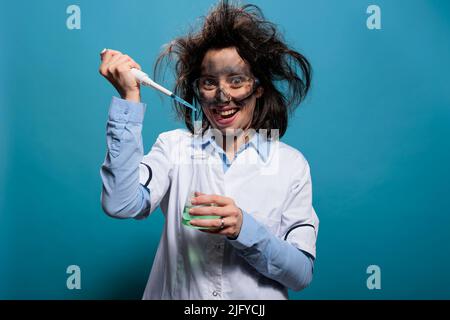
[375,129]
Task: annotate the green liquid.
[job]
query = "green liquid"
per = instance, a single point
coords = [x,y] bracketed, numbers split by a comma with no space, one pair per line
[187,218]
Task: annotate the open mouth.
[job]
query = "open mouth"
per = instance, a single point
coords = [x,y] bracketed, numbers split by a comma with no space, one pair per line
[225,117]
[225,114]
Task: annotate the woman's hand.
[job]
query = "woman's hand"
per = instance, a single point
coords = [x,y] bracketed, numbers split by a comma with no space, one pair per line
[116,68]
[223,207]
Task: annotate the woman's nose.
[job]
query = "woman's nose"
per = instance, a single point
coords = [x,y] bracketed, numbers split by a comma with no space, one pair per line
[222,96]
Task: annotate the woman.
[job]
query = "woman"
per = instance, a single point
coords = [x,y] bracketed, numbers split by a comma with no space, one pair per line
[261,238]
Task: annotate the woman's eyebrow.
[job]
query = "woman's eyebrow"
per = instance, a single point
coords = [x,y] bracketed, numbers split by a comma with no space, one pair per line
[233,70]
[226,72]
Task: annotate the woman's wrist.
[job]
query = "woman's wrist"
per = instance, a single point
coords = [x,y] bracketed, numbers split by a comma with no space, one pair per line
[134,96]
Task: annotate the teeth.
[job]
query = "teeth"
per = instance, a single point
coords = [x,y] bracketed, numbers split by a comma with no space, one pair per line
[228,112]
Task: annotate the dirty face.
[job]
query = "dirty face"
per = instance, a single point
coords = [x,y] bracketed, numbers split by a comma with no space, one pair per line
[227,90]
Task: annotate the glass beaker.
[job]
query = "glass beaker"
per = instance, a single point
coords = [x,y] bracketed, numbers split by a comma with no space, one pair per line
[187,217]
[200,182]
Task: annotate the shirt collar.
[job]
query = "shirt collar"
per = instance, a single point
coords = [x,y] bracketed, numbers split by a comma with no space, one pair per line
[257,141]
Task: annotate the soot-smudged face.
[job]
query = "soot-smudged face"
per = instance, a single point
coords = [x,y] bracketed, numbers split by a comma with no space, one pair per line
[227,90]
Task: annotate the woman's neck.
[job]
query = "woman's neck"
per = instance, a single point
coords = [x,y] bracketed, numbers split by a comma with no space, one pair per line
[231,143]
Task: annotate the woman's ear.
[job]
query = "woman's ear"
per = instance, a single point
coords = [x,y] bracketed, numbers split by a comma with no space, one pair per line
[259,92]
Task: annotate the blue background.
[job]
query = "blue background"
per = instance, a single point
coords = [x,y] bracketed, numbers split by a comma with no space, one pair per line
[375,130]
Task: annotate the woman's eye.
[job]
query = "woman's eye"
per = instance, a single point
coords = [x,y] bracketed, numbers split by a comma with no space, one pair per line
[208,83]
[237,81]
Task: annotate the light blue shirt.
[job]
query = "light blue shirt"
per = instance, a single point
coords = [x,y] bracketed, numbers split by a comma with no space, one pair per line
[123,196]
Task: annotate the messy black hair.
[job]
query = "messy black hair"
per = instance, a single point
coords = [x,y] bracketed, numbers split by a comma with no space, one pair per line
[283,73]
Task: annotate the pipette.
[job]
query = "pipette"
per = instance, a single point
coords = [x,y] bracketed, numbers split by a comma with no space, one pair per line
[145,80]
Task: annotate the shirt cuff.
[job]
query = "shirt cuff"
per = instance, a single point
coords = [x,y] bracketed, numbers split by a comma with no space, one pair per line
[125,111]
[251,231]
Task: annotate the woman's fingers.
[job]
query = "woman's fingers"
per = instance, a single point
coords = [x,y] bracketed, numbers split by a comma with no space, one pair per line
[105,56]
[107,60]
[115,68]
[229,221]
[207,223]
[209,211]
[117,61]
[215,225]
[212,199]
[135,65]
